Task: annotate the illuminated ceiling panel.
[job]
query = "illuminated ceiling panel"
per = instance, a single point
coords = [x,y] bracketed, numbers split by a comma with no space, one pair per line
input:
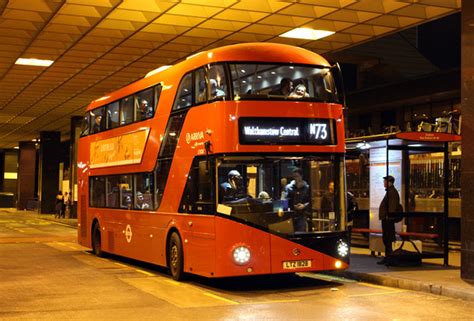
[100,45]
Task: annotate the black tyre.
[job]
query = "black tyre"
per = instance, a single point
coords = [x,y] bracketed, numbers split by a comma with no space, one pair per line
[96,241]
[175,257]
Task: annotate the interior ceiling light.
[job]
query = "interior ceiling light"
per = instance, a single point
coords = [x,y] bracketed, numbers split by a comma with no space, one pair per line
[34,62]
[307,33]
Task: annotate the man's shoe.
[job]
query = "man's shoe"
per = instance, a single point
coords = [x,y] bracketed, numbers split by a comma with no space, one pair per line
[382,261]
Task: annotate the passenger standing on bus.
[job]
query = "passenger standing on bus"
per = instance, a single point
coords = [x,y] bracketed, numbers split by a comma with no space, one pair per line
[327,201]
[286,87]
[145,110]
[97,127]
[388,206]
[299,198]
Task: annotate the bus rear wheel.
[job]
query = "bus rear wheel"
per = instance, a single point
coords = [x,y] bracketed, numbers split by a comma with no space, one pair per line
[96,241]
[175,257]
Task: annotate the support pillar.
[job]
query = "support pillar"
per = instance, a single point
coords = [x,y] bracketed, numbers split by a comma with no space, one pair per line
[49,156]
[467,167]
[75,133]
[26,175]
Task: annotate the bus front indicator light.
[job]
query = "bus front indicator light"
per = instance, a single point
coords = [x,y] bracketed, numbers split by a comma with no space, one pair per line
[342,248]
[241,255]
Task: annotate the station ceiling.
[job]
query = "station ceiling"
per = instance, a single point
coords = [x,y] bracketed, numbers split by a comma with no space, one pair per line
[101,45]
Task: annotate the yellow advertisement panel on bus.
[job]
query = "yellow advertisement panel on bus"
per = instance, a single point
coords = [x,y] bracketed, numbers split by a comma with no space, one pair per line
[120,150]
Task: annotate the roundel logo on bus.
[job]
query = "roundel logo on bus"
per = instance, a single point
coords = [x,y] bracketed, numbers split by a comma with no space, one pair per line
[192,137]
[128,233]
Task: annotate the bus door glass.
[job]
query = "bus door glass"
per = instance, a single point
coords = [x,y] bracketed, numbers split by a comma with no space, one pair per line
[286,195]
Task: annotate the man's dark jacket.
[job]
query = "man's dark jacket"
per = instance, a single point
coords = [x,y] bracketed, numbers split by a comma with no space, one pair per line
[389,203]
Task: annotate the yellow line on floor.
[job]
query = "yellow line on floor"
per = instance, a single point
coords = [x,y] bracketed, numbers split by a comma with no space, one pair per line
[273,301]
[122,265]
[173,282]
[378,293]
[374,286]
[220,298]
[145,272]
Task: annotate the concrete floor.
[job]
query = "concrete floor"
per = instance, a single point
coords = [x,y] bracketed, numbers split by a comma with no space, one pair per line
[45,275]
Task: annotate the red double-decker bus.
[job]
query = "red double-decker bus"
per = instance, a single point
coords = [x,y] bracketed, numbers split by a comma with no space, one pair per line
[229,163]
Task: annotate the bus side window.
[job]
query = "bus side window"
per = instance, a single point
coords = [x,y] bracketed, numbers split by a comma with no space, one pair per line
[126,191]
[113,115]
[97,191]
[217,82]
[161,175]
[184,95]
[126,110]
[85,125]
[144,184]
[200,86]
[97,120]
[198,195]
[112,191]
[144,104]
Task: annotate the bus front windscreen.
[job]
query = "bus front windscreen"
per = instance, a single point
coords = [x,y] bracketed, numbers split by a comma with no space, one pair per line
[286,195]
[284,82]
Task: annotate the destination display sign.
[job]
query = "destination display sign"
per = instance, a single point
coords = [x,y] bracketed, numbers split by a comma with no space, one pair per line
[287,131]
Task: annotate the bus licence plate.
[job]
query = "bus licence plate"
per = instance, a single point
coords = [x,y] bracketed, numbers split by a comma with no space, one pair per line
[291,265]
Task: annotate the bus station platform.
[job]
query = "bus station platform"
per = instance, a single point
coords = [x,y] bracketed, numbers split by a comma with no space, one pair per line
[431,277]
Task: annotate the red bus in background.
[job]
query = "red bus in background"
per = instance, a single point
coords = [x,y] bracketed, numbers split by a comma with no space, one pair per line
[229,163]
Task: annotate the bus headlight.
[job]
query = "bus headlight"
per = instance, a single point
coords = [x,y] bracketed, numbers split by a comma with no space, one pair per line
[241,255]
[342,248]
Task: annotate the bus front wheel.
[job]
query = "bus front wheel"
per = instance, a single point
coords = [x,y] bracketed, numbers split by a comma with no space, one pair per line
[175,261]
[96,241]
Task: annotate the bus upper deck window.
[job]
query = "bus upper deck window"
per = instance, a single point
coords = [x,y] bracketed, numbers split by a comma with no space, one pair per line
[217,82]
[144,104]
[113,115]
[200,85]
[184,94]
[126,110]
[85,125]
[97,120]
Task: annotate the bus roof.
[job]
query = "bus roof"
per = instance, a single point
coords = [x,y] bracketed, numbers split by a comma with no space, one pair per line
[251,52]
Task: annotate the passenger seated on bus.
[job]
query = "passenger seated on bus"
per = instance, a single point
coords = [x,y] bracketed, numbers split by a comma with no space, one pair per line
[264,197]
[126,202]
[232,189]
[216,92]
[286,87]
[299,92]
[144,110]
[97,126]
[140,202]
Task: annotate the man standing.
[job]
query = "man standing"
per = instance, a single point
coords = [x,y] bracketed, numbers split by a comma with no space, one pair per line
[388,207]
[299,196]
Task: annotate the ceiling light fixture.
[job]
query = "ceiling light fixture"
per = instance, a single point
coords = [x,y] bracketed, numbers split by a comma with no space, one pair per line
[307,33]
[34,62]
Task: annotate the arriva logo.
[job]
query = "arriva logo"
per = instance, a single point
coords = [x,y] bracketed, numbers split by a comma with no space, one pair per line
[192,137]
